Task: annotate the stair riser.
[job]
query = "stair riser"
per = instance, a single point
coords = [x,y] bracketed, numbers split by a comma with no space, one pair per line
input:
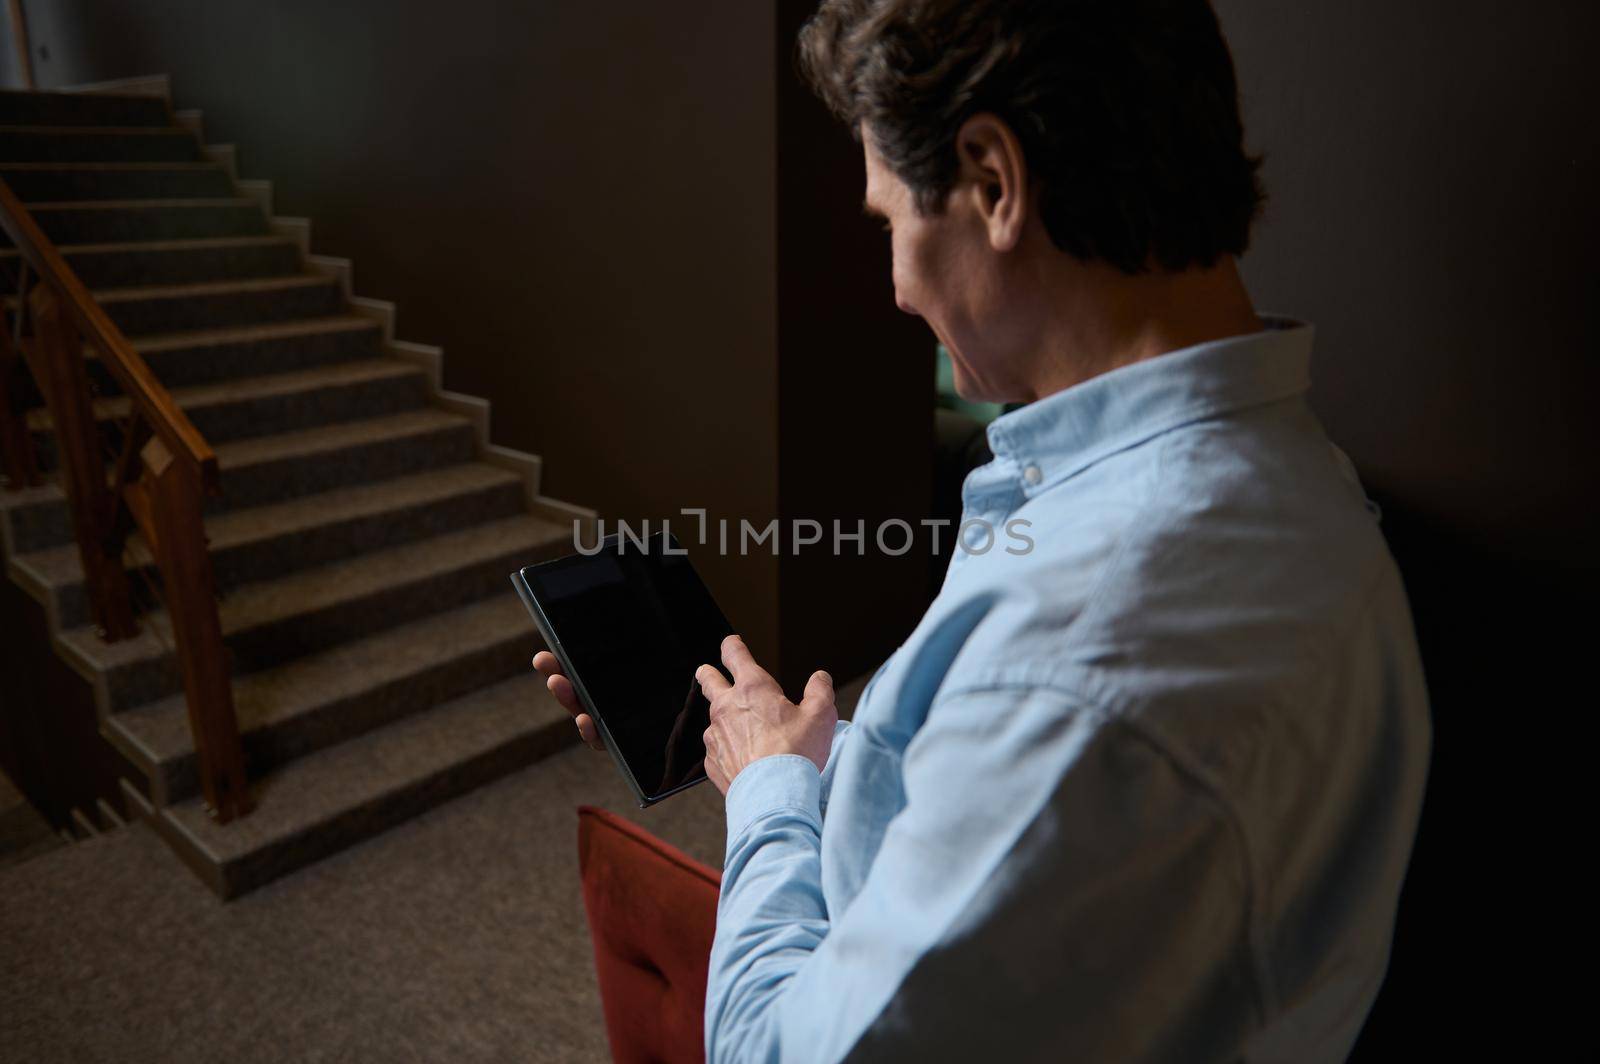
[333,542]
[189,366]
[273,644]
[51,186]
[268,482]
[72,601]
[304,410]
[128,269]
[81,109]
[49,524]
[138,317]
[37,146]
[36,527]
[266,415]
[281,555]
[351,717]
[353,826]
[107,225]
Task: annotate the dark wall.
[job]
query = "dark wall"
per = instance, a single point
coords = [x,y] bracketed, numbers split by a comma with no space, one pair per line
[1432,170]
[11,76]
[574,200]
[855,398]
[50,744]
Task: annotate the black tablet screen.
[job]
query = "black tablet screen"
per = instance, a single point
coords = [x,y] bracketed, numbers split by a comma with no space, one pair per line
[635,624]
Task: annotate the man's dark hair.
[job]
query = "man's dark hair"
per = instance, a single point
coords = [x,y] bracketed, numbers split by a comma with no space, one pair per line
[1127,112]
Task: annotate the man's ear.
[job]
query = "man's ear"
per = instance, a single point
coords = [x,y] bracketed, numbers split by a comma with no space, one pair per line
[994,176]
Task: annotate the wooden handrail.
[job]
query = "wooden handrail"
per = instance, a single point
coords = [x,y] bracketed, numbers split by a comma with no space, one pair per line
[157,483]
[167,420]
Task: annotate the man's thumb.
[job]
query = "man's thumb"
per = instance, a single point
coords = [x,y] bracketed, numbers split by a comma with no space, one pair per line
[820,686]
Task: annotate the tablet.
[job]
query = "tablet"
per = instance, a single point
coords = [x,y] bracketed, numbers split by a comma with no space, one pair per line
[630,623]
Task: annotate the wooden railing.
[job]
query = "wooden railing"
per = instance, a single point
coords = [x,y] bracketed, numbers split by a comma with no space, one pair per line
[159,470]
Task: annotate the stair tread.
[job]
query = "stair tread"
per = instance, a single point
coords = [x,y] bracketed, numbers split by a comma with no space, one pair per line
[312,790]
[211,288]
[173,341]
[244,389]
[266,522]
[60,565]
[266,699]
[96,167]
[107,296]
[187,244]
[254,450]
[308,590]
[48,493]
[39,206]
[241,454]
[96,130]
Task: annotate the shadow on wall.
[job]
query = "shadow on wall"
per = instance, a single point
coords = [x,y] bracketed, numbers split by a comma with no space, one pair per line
[1431,170]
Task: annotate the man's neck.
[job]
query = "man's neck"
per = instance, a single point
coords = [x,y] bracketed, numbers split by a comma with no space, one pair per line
[1115,320]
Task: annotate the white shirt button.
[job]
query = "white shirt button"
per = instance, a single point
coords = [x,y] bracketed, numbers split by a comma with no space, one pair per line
[1032,475]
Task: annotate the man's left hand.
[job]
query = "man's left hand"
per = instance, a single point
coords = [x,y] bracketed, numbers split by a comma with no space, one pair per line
[751,718]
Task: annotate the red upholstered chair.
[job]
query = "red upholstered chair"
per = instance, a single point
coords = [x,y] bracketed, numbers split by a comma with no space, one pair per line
[652,914]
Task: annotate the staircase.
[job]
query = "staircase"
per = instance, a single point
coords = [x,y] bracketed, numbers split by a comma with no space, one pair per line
[366,529]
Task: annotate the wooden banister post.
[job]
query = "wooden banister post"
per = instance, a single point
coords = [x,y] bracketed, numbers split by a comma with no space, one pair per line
[172,490]
[16,443]
[19,39]
[59,354]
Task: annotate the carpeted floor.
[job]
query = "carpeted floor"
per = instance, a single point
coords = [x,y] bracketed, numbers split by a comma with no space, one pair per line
[458,937]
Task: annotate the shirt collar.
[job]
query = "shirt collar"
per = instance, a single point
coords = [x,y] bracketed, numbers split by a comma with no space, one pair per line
[1052,438]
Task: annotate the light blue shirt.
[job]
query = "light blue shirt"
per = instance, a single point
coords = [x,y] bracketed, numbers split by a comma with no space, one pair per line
[1143,792]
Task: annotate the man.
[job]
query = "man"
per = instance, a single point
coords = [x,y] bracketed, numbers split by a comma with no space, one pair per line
[1147,790]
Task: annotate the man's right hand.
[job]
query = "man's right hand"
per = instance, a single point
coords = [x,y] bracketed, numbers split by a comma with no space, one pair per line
[548,667]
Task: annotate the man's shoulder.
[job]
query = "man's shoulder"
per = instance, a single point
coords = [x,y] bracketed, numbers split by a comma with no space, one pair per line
[1239,553]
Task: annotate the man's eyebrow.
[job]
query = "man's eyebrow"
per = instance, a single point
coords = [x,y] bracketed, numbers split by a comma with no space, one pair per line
[870,211]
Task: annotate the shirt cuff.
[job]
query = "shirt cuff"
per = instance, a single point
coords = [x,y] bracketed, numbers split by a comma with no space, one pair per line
[770,784]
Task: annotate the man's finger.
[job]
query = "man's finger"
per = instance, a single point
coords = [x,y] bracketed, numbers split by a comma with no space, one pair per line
[546,663]
[736,656]
[712,682]
[589,733]
[819,688]
[561,687]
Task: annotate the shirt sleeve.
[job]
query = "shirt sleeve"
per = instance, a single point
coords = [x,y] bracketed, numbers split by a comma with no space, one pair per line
[1056,885]
[841,731]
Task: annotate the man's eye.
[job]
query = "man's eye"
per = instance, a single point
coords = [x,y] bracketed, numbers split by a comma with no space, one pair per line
[888,227]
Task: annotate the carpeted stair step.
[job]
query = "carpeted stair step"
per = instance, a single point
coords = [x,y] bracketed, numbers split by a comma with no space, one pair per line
[282,402]
[110,221]
[26,108]
[324,803]
[329,697]
[53,182]
[268,542]
[33,518]
[173,308]
[95,144]
[276,621]
[269,469]
[205,356]
[141,263]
